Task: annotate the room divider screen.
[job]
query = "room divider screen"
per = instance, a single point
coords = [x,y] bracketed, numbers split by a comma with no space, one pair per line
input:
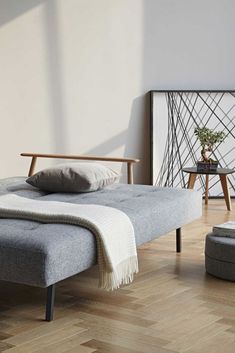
[174,117]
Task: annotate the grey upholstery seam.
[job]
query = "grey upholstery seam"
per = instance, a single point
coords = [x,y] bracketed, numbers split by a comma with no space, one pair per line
[19,248]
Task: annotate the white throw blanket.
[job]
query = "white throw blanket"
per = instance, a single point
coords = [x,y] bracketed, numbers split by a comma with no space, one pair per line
[117,256]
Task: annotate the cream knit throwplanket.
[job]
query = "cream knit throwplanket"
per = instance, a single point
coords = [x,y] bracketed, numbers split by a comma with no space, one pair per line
[117,255]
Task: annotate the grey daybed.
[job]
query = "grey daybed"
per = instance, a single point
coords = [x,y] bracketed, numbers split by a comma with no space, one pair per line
[41,254]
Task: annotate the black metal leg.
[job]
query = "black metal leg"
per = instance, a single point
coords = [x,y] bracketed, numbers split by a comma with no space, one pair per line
[50,302]
[178,240]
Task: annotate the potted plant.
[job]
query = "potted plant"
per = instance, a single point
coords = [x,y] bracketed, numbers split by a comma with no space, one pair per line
[208,139]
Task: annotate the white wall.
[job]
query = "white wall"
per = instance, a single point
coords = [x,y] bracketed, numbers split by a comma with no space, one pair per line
[73,73]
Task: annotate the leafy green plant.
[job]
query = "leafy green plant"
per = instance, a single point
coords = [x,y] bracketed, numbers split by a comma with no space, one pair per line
[208,139]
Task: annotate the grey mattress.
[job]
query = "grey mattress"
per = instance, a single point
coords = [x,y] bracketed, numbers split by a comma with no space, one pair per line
[42,254]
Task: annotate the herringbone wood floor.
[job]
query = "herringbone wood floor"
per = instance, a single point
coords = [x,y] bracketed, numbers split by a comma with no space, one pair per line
[172,306]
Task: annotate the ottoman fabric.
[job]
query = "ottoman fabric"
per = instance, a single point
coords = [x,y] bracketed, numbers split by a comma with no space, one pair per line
[220,256]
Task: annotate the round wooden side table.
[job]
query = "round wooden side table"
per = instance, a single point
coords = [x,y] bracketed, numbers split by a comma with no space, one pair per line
[221,172]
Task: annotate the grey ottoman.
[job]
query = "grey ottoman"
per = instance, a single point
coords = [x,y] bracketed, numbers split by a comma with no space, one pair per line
[220,256]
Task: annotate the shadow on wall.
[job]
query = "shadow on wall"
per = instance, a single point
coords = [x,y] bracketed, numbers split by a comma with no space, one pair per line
[55,77]
[109,145]
[139,128]
[139,115]
[9,10]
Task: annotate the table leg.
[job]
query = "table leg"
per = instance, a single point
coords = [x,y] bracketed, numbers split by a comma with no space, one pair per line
[191,180]
[224,184]
[206,189]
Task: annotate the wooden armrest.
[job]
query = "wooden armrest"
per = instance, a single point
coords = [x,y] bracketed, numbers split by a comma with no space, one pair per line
[129,161]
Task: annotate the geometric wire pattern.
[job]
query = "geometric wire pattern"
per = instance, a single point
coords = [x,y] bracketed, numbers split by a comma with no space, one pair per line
[185,112]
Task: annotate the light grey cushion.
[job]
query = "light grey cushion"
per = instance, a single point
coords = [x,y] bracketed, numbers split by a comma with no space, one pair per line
[220,256]
[74,177]
[42,254]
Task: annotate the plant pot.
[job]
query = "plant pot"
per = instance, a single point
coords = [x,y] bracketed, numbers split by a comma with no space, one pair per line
[207,166]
